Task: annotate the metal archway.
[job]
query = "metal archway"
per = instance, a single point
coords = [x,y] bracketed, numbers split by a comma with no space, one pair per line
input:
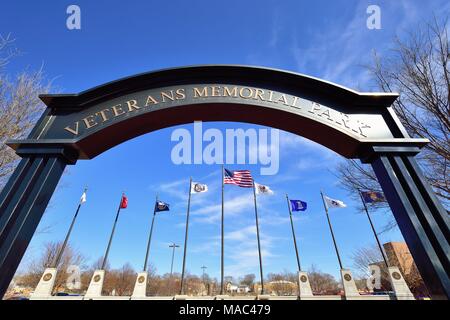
[355,125]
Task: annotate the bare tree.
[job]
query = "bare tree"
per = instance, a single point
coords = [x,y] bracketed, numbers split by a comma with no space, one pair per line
[7,49]
[248,280]
[97,265]
[322,283]
[417,68]
[36,267]
[407,266]
[282,284]
[120,281]
[20,106]
[366,256]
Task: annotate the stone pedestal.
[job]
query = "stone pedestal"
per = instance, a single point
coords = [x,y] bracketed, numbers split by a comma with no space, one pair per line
[140,286]
[399,285]
[96,285]
[350,289]
[45,286]
[304,285]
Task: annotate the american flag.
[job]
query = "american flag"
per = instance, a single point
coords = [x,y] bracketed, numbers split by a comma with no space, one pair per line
[241,178]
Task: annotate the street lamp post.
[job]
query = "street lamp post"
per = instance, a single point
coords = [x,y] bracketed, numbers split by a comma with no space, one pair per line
[173,246]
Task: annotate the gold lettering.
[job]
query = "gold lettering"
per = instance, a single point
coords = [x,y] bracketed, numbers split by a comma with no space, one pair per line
[165,95]
[215,91]
[227,92]
[294,103]
[180,94]
[150,100]
[198,93]
[102,114]
[315,107]
[117,110]
[283,99]
[132,104]
[270,96]
[327,114]
[259,94]
[74,131]
[363,126]
[89,122]
[241,93]
[345,120]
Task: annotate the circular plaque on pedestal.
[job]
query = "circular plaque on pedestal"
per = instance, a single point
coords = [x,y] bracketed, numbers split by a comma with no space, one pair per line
[47,276]
[347,277]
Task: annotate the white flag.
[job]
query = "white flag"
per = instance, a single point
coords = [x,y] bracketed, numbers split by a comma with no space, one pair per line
[198,187]
[262,189]
[332,203]
[83,198]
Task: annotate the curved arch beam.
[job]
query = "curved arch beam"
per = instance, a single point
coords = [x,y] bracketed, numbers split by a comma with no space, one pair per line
[95,120]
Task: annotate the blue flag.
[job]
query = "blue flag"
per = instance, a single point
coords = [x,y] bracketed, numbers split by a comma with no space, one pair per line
[298,205]
[161,206]
[372,196]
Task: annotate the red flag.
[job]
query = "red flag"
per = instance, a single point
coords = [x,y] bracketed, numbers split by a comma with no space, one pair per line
[123,202]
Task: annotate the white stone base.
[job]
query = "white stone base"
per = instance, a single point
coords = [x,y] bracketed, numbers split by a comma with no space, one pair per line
[317,297]
[350,289]
[140,286]
[399,285]
[96,285]
[304,285]
[154,298]
[292,298]
[67,298]
[117,298]
[45,286]
[202,298]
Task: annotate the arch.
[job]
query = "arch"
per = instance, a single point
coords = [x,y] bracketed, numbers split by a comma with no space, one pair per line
[303,105]
[353,124]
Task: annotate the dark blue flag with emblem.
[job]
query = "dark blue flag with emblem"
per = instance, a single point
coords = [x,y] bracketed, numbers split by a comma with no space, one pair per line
[372,196]
[161,206]
[298,205]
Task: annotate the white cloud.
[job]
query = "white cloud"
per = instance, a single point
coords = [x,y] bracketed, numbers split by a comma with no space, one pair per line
[242,250]
[232,207]
[339,53]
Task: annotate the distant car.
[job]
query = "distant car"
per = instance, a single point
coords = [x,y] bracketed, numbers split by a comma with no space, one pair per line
[381,293]
[65,294]
[17,298]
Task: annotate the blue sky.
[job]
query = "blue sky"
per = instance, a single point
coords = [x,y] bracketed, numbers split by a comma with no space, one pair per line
[326,39]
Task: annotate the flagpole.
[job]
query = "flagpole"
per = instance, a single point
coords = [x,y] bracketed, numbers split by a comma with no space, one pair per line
[222,239]
[373,230]
[293,234]
[150,236]
[186,237]
[257,236]
[61,251]
[331,230]
[105,258]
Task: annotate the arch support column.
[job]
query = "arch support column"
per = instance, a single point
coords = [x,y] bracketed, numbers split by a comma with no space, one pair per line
[421,217]
[23,201]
